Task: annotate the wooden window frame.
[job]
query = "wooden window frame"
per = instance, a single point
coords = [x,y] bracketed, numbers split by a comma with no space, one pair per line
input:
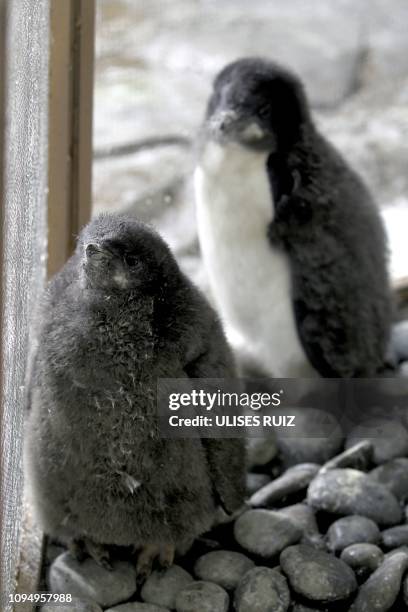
[70,125]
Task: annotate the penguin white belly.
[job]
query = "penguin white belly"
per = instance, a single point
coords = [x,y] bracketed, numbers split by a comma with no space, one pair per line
[249,278]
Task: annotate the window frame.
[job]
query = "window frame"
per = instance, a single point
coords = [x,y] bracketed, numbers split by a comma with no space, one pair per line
[71,29]
[70,125]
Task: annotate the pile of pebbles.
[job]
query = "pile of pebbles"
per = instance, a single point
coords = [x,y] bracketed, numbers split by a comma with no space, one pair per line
[329,534]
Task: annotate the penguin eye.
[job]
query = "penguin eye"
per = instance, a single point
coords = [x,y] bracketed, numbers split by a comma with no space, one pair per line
[131,260]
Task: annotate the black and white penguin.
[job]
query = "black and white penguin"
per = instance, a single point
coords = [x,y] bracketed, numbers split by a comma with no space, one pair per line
[293,244]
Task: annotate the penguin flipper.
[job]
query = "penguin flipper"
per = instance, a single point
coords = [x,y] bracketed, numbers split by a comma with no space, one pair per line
[226,460]
[325,343]
[226,457]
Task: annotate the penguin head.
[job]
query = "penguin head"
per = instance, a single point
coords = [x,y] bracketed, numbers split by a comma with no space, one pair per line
[257,104]
[121,254]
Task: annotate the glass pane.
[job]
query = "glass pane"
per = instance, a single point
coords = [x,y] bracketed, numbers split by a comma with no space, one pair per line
[155,64]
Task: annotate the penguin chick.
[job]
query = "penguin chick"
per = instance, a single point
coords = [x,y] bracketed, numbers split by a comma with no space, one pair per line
[119,316]
[292,241]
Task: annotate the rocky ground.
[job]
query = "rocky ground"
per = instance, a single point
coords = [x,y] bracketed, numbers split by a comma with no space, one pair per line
[326,524]
[329,533]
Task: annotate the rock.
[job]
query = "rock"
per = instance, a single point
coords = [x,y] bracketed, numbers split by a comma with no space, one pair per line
[265,533]
[87,580]
[362,558]
[302,516]
[316,575]
[347,491]
[399,340]
[202,597]
[315,541]
[255,481]
[262,589]
[224,567]
[301,608]
[389,438]
[74,606]
[395,537]
[405,590]
[394,476]
[403,370]
[136,606]
[294,480]
[318,438]
[261,451]
[357,456]
[351,530]
[381,590]
[162,587]
[402,549]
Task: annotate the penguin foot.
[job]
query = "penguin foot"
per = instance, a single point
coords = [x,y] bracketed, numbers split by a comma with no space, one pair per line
[98,553]
[76,549]
[166,555]
[148,554]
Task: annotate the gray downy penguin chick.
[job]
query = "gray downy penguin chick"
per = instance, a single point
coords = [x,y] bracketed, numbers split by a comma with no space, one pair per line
[117,317]
[292,241]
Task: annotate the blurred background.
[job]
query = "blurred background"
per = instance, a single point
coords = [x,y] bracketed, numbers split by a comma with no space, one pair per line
[155,60]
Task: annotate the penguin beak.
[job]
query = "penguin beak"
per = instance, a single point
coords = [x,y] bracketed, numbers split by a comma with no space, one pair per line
[230,125]
[224,119]
[97,251]
[222,122]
